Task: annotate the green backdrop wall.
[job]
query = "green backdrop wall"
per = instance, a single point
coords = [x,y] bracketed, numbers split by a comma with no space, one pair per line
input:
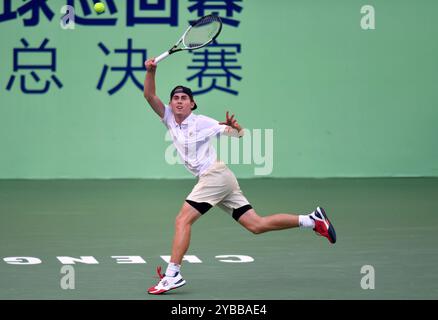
[338,100]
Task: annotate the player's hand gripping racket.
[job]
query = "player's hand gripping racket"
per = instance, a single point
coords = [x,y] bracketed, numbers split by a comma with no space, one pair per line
[198,35]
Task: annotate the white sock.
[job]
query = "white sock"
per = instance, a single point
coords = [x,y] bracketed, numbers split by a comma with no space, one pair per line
[172,269]
[305,221]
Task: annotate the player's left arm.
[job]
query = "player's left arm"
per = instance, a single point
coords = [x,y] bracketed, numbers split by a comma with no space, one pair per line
[233,128]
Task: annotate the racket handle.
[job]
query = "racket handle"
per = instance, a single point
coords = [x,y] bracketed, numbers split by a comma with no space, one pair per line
[161,57]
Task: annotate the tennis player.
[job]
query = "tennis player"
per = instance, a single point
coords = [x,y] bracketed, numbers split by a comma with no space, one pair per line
[217,185]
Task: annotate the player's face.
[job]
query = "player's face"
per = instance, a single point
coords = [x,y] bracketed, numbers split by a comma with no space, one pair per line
[181,104]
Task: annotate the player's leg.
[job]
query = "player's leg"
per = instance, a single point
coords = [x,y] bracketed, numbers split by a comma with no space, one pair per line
[183,225]
[238,206]
[316,220]
[240,209]
[172,278]
[258,224]
[210,189]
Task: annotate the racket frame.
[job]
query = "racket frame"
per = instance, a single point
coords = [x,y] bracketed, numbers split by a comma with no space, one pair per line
[181,40]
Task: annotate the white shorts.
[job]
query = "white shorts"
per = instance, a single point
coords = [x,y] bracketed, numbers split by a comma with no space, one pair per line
[218,186]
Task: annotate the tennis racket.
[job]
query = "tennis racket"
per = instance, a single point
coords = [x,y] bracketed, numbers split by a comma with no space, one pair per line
[198,35]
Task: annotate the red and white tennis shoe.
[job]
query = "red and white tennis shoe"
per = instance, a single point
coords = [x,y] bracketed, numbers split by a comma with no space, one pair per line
[323,227]
[167,283]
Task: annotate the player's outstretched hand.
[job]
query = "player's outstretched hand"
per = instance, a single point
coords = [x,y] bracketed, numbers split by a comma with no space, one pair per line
[150,64]
[230,121]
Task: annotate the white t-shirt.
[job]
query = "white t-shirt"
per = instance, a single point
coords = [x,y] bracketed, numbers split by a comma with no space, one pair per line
[192,139]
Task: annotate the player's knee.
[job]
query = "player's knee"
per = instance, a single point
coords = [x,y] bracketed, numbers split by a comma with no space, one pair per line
[180,220]
[255,227]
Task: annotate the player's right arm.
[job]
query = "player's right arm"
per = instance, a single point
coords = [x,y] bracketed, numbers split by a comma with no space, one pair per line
[149,88]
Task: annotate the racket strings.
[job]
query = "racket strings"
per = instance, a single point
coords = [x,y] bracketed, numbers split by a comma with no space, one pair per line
[202,32]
